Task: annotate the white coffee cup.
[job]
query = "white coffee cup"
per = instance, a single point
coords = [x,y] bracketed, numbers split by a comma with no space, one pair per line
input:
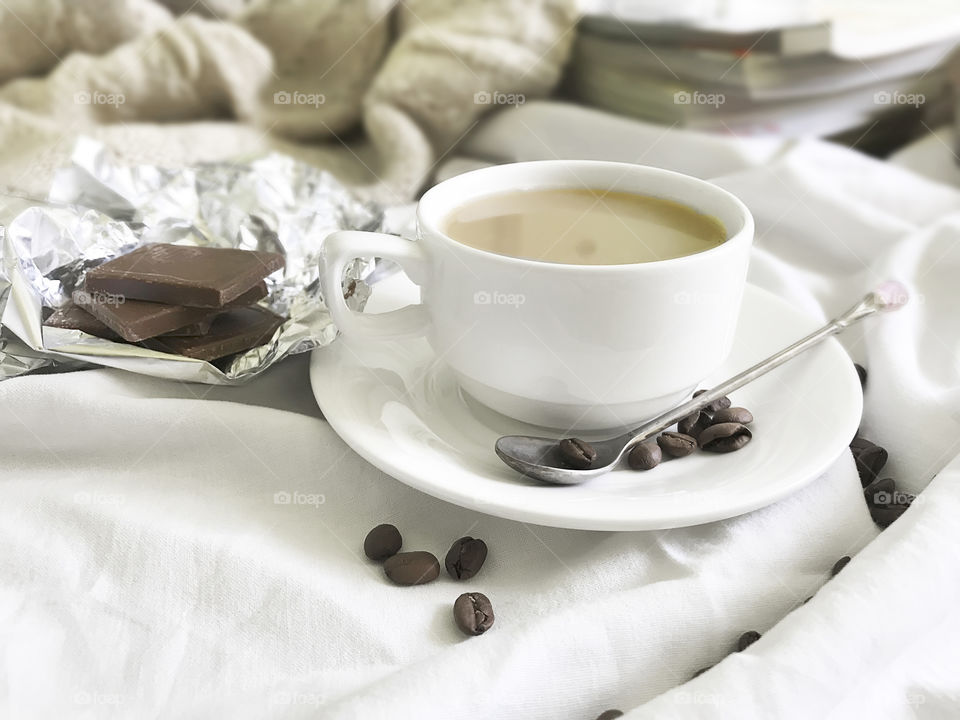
[572,347]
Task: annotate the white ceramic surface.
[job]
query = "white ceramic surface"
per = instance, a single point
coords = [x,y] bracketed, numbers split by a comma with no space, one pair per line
[566,346]
[401,409]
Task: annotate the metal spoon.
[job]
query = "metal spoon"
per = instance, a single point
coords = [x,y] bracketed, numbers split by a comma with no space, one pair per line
[539,457]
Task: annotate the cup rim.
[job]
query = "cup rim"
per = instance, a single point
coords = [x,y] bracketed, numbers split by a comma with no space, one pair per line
[431,224]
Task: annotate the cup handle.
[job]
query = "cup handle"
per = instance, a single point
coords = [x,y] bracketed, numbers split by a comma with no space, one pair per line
[341,248]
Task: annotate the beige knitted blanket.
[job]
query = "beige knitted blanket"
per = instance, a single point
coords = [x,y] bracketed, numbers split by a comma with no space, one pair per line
[378,91]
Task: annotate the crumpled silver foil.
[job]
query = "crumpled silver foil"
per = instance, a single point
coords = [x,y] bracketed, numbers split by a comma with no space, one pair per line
[97,210]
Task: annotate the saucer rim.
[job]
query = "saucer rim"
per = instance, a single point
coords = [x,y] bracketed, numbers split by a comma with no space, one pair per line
[618,523]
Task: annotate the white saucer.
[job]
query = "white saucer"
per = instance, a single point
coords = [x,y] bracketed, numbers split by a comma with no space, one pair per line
[402,411]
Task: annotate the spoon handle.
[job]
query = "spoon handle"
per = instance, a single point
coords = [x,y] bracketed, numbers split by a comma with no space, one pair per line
[889,296]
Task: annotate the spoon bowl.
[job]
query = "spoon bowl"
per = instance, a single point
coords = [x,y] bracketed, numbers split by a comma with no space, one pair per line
[539,458]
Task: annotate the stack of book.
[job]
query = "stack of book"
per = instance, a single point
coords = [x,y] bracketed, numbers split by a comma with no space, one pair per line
[795,80]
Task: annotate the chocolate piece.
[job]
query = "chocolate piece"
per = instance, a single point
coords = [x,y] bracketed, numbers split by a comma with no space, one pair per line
[72,317]
[197,328]
[136,320]
[232,331]
[183,275]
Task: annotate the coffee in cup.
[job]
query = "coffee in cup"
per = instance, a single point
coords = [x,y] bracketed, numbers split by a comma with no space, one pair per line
[583,226]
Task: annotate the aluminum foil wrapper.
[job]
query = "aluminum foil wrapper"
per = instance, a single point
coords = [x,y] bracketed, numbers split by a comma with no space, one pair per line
[98,210]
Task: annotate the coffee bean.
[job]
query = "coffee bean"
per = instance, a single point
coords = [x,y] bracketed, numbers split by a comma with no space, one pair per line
[473,613]
[412,568]
[885,516]
[874,458]
[610,715]
[676,444]
[879,492]
[733,415]
[870,461]
[725,437]
[694,423]
[576,453]
[644,456]
[747,639]
[701,671]
[882,492]
[839,565]
[718,404]
[465,558]
[382,542]
[862,372]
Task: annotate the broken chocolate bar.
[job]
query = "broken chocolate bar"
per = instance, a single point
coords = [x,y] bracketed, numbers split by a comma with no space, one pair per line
[232,331]
[197,328]
[136,320]
[71,317]
[183,275]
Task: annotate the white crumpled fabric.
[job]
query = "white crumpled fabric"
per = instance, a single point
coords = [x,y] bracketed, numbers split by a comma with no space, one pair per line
[147,571]
[177,82]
